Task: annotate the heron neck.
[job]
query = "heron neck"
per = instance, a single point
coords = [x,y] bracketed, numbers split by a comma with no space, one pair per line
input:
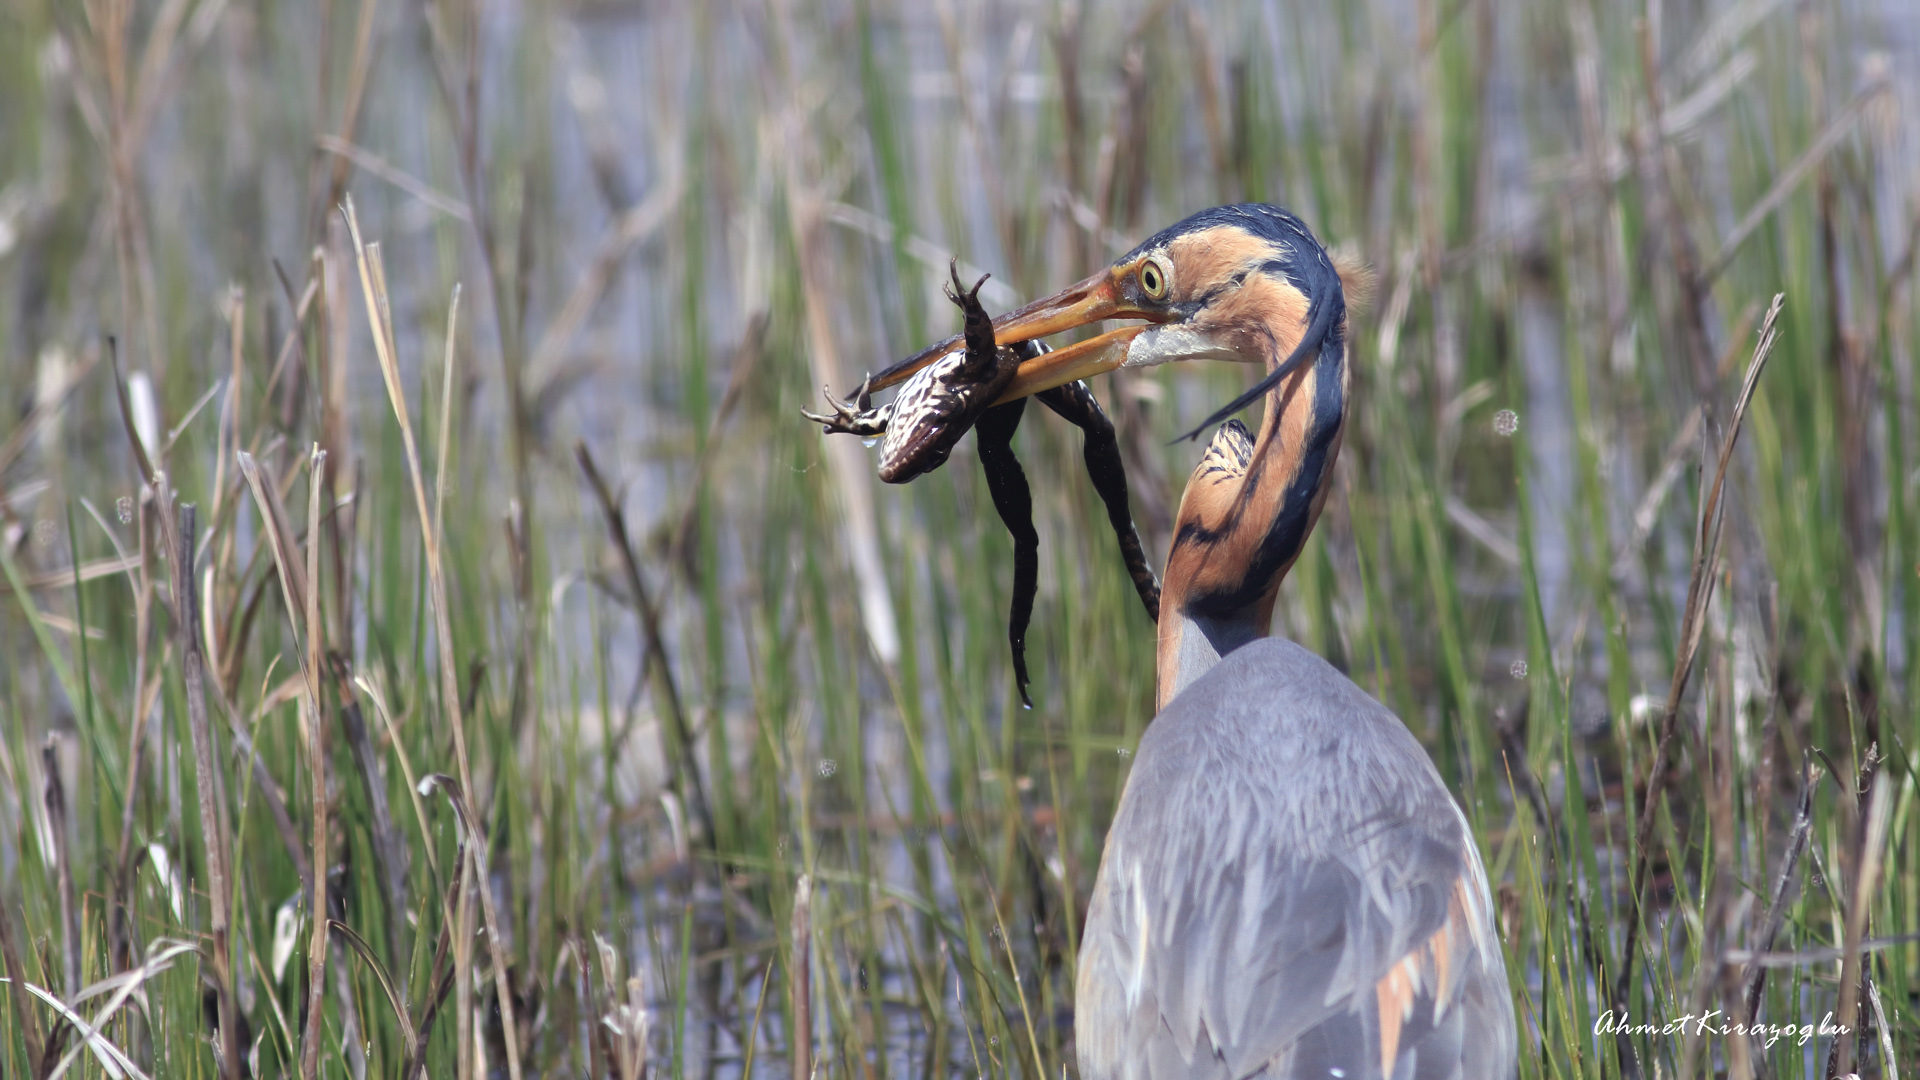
[1191,646]
[1245,517]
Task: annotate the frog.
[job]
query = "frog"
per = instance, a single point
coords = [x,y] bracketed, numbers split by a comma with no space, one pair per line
[961,391]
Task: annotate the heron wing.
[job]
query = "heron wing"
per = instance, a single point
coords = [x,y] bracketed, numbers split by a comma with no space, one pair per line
[1288,889]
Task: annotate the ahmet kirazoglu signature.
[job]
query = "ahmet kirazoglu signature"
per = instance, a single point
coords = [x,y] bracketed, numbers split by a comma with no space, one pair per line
[1715,1022]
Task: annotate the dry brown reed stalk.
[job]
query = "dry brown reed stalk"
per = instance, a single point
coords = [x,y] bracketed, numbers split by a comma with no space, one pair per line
[316,757]
[849,472]
[1646,513]
[653,652]
[800,983]
[178,530]
[849,469]
[373,285]
[389,849]
[301,602]
[630,1026]
[1706,554]
[430,530]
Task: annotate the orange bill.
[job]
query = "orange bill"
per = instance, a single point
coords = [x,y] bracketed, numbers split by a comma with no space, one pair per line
[1096,299]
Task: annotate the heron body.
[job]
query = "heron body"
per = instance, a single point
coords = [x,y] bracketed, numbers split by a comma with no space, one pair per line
[1288,888]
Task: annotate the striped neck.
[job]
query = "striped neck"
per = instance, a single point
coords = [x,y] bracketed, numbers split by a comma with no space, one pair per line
[1246,514]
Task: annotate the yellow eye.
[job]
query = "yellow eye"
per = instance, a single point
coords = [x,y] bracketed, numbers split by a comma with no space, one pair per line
[1153,280]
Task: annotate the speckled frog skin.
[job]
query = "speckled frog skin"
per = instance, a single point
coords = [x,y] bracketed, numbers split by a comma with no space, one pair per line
[921,425]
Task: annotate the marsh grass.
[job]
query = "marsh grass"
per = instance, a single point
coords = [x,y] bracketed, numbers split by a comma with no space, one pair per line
[626,724]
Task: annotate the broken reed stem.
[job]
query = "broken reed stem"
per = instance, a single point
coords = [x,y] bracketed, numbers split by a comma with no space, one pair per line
[1706,553]
[373,285]
[666,694]
[800,982]
[179,531]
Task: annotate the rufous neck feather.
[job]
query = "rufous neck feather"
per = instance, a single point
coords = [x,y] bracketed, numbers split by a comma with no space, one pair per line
[1247,511]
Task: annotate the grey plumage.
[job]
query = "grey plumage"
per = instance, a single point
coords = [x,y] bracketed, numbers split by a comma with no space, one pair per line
[1289,890]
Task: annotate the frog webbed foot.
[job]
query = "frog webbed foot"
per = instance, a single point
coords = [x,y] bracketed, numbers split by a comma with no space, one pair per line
[967,300]
[855,417]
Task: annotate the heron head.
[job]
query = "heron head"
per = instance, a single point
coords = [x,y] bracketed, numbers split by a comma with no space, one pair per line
[1247,283]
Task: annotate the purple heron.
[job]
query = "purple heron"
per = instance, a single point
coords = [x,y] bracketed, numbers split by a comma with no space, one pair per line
[1288,888]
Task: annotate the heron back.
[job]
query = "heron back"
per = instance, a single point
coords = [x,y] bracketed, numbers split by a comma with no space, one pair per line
[1289,890]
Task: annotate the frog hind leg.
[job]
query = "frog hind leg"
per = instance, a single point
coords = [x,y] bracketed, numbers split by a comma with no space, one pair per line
[983,356]
[1075,402]
[1007,483]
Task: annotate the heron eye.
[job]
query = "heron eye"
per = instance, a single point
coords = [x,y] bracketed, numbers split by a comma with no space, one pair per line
[1153,280]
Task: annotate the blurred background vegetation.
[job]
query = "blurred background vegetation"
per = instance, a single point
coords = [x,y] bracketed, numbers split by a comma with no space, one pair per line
[671,652]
